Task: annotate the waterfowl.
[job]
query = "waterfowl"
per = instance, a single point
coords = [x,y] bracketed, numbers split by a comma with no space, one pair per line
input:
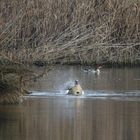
[87,69]
[76,89]
[96,70]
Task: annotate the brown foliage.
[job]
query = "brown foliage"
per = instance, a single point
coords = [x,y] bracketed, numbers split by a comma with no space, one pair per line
[72,27]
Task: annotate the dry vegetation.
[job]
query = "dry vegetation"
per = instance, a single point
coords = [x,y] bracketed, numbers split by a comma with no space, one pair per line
[14,80]
[88,31]
[67,31]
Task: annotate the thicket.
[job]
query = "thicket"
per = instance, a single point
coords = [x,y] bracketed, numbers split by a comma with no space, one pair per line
[101,31]
[14,80]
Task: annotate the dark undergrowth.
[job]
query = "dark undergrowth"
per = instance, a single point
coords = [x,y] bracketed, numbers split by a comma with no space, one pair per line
[14,81]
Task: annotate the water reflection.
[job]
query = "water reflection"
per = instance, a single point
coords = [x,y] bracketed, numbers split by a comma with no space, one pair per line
[70,119]
[52,115]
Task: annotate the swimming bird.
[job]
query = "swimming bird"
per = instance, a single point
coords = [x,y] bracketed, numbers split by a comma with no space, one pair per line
[96,70]
[76,89]
[87,69]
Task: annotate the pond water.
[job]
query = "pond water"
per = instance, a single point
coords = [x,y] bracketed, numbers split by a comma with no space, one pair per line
[109,110]
[109,81]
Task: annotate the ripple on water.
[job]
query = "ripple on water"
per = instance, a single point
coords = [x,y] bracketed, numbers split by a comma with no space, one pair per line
[97,94]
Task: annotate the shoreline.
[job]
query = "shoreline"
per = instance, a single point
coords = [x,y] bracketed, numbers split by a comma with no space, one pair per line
[13,91]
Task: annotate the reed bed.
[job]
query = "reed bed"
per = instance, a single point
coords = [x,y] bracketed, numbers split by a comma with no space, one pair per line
[65,31]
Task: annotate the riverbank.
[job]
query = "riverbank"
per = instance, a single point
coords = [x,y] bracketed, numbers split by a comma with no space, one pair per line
[116,54]
[13,86]
[14,80]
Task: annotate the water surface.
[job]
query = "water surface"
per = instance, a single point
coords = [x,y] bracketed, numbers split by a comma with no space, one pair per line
[109,110]
[57,118]
[110,79]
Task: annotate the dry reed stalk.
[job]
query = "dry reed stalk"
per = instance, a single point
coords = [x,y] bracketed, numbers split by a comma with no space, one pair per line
[42,29]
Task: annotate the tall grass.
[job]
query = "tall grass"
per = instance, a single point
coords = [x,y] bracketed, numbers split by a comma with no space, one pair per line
[70,30]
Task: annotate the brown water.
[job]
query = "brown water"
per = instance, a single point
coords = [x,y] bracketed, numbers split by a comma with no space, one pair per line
[49,116]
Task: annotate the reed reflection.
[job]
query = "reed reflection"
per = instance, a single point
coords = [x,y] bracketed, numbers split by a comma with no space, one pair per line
[71,119]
